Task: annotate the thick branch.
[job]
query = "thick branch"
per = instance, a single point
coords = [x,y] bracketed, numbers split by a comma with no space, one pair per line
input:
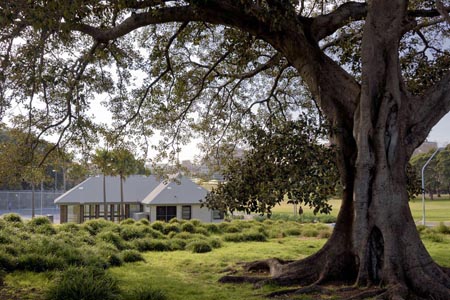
[429,108]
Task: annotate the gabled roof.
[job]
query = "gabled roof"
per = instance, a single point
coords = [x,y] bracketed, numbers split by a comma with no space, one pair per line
[135,188]
[180,190]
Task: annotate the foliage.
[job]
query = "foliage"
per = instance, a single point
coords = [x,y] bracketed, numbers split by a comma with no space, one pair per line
[270,171]
[147,293]
[437,172]
[86,283]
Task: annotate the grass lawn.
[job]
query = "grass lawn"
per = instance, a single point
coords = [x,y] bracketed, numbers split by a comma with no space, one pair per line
[437,210]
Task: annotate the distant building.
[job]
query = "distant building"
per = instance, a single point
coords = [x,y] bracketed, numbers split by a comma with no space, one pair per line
[144,197]
[425,147]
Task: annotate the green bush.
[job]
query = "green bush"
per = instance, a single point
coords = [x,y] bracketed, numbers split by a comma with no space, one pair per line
[150,232]
[309,232]
[115,260]
[158,225]
[159,245]
[324,233]
[131,256]
[131,232]
[5,238]
[212,228]
[442,228]
[112,238]
[202,231]
[68,227]
[77,283]
[38,221]
[171,227]
[46,229]
[96,226]
[254,236]
[147,293]
[128,221]
[233,237]
[232,229]
[39,262]
[7,261]
[12,218]
[199,246]
[188,227]
[215,242]
[143,222]
[434,237]
[195,222]
[293,231]
[177,244]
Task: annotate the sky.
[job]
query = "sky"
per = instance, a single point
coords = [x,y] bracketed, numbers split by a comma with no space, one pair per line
[441,132]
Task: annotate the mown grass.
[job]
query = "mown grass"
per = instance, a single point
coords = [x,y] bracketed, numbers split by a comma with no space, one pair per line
[154,261]
[437,210]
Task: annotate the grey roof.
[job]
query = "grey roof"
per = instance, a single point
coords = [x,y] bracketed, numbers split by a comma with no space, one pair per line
[179,191]
[136,189]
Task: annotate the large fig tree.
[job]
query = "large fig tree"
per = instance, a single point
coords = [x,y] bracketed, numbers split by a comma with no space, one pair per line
[378,71]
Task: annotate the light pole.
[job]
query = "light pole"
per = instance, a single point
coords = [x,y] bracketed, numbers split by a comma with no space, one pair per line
[423,184]
[56,179]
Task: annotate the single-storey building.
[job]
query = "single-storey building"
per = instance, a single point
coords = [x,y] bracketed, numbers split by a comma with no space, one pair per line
[144,197]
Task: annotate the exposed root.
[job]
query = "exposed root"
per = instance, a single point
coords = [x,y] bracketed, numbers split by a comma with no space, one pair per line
[243,279]
[305,290]
[367,294]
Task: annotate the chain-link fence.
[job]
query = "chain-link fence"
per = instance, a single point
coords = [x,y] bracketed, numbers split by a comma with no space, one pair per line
[21,202]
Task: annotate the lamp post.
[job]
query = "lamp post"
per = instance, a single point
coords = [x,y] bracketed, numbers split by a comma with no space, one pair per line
[423,184]
[56,179]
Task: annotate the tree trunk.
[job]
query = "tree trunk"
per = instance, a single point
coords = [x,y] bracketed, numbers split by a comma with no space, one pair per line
[375,241]
[105,207]
[33,205]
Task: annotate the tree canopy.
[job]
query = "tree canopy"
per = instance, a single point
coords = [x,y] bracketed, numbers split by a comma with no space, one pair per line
[378,71]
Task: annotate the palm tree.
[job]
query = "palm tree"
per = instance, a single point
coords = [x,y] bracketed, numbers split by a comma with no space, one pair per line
[124,164]
[103,160]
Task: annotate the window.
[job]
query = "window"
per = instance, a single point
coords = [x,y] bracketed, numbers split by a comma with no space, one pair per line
[218,215]
[186,212]
[165,213]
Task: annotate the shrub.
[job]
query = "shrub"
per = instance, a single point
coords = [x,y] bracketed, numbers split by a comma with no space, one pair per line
[5,238]
[131,232]
[199,246]
[171,227]
[324,233]
[38,221]
[233,237]
[7,261]
[159,245]
[293,231]
[96,226]
[128,221]
[46,229]
[158,225]
[442,228]
[309,232]
[114,260]
[202,231]
[195,222]
[434,237]
[212,228]
[147,293]
[69,227]
[39,262]
[175,221]
[254,236]
[143,222]
[177,244]
[12,218]
[131,256]
[112,238]
[188,227]
[231,229]
[84,283]
[215,242]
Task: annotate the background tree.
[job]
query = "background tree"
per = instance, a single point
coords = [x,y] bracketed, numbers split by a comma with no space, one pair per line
[103,159]
[378,72]
[124,164]
[268,172]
